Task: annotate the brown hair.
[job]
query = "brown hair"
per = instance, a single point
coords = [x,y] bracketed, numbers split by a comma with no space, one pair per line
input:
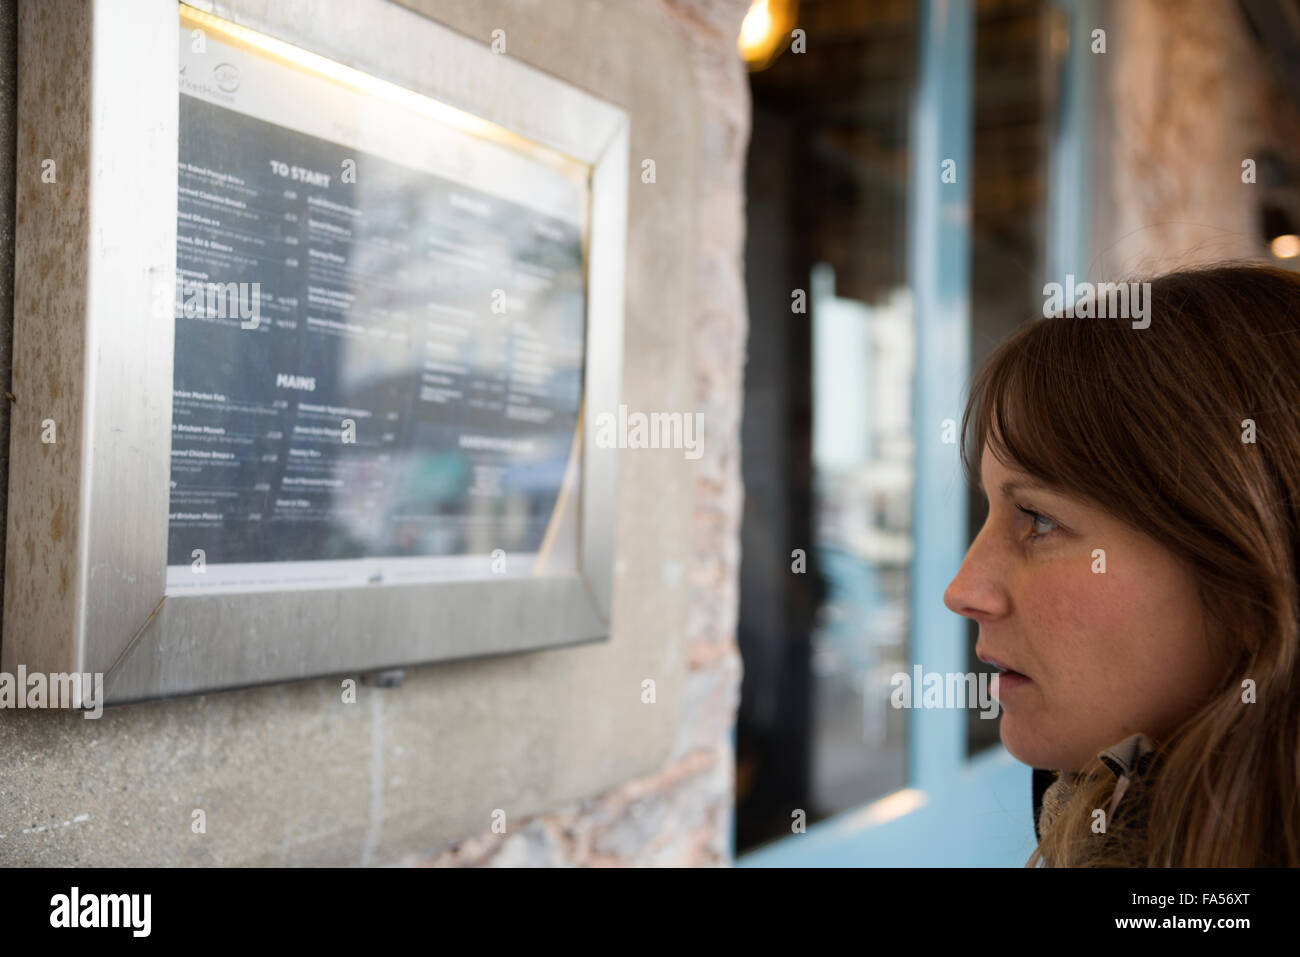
[1188,430]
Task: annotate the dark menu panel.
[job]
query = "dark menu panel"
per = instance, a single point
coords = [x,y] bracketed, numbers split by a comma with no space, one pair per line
[370,360]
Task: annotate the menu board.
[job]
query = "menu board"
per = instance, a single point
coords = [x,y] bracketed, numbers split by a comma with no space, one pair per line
[380,326]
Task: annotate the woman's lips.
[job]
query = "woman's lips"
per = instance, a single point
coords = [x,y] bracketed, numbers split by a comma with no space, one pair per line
[1007,681]
[1007,677]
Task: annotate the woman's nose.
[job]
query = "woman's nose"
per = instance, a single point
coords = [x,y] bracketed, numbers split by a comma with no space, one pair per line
[976,591]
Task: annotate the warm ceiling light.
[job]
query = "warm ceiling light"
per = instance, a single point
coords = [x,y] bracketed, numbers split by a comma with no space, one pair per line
[1285,247]
[756,27]
[765,31]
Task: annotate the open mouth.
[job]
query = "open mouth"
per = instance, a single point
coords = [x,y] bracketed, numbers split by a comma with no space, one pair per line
[1002,669]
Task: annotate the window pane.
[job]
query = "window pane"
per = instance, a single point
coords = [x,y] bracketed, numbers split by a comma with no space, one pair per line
[827,433]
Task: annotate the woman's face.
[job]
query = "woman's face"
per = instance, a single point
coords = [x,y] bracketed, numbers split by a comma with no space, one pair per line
[1100,654]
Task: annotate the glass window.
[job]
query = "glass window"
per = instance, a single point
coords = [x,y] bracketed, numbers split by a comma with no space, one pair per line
[827,431]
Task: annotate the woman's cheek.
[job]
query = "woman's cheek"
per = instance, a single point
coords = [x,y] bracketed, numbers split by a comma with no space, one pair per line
[1068,615]
[1097,643]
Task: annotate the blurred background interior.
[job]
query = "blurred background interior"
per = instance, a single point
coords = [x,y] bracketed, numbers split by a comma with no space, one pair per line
[1094,138]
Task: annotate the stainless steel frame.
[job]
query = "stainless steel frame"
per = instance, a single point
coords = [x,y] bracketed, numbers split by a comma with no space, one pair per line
[87,522]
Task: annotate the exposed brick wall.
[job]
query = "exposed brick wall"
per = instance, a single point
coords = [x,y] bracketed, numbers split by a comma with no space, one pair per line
[681,816]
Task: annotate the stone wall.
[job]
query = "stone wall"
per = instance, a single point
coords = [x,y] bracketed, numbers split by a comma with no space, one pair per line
[1187,97]
[682,815]
[8,142]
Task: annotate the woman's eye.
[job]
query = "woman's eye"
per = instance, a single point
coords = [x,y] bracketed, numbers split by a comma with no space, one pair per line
[1040,525]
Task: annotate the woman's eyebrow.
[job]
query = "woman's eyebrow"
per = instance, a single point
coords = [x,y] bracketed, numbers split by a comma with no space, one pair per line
[1010,487]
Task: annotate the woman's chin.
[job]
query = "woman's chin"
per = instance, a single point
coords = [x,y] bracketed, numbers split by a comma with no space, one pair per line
[1028,747]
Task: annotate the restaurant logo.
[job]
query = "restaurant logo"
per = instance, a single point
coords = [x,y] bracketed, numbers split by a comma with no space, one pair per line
[226,76]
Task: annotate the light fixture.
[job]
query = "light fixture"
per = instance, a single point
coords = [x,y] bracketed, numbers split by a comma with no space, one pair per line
[1286,246]
[1280,231]
[765,31]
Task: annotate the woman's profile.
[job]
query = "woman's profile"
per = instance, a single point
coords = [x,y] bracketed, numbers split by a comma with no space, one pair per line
[1135,582]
